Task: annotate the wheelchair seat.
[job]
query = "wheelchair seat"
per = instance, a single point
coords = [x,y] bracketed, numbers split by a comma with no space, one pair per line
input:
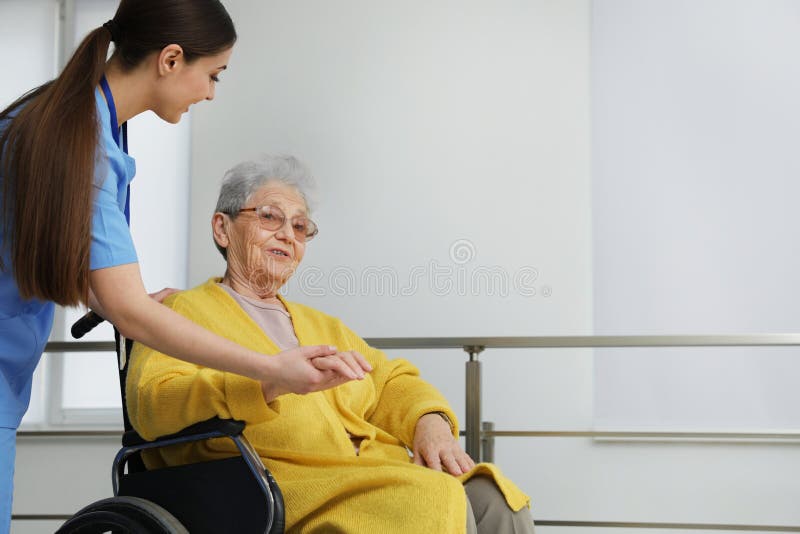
[231,495]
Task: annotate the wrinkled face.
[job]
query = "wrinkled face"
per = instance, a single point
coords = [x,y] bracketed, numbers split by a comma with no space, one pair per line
[188,84]
[261,259]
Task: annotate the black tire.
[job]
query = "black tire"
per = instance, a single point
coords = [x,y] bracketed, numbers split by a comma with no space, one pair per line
[126,515]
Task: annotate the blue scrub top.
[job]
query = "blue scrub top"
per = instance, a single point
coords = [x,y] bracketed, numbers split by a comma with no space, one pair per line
[25,324]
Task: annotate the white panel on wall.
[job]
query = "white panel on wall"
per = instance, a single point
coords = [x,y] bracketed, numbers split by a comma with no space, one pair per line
[695,166]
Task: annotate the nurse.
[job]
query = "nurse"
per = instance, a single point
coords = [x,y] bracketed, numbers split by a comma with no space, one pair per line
[64,235]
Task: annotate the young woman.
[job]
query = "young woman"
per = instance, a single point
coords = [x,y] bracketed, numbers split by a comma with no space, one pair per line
[64,237]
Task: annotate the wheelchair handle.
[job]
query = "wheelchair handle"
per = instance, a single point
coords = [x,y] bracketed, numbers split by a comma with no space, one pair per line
[85,324]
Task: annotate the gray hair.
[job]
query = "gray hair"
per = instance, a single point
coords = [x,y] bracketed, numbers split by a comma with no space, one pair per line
[240,182]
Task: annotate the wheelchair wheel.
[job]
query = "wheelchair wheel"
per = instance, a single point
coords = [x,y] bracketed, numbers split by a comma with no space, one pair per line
[123,515]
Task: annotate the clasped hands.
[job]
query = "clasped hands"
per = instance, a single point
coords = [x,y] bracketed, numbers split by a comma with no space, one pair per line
[315,368]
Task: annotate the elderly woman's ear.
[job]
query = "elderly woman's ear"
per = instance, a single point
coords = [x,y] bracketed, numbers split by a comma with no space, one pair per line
[219,227]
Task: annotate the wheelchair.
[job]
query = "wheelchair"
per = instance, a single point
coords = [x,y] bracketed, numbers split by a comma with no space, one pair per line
[235,494]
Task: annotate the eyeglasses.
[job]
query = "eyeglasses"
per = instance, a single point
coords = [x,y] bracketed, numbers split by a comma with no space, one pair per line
[272,218]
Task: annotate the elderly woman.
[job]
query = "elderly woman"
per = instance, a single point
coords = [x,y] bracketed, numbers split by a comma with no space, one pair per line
[340,455]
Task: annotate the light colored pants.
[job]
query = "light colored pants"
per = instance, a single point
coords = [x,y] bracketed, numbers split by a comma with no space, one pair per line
[8,447]
[488,512]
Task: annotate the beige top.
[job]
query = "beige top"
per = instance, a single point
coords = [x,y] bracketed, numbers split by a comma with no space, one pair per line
[273,319]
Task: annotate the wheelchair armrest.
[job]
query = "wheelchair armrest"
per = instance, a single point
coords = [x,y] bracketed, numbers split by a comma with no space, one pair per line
[223,427]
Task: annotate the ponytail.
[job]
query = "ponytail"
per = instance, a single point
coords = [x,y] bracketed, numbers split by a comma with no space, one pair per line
[48,167]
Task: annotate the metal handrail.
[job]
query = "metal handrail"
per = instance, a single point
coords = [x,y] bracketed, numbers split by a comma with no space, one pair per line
[518,342]
[475,345]
[480,434]
[486,434]
[56,347]
[670,526]
[551,523]
[597,342]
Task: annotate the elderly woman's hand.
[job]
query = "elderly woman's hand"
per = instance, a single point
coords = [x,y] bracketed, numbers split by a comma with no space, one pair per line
[306,369]
[435,446]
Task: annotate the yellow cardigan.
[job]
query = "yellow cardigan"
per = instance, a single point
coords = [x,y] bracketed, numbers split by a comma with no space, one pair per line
[304,439]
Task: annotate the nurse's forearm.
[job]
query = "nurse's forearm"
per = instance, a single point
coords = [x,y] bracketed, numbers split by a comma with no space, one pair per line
[121,298]
[164,330]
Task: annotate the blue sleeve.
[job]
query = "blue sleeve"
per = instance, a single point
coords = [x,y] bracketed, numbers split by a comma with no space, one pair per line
[112,243]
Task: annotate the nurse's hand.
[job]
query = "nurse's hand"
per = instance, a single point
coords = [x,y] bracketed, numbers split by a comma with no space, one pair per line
[307,369]
[159,296]
[341,361]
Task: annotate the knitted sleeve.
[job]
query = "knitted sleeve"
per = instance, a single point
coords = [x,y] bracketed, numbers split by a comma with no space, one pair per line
[402,396]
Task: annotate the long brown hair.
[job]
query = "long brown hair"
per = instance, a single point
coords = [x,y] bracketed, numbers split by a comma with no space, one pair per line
[50,144]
